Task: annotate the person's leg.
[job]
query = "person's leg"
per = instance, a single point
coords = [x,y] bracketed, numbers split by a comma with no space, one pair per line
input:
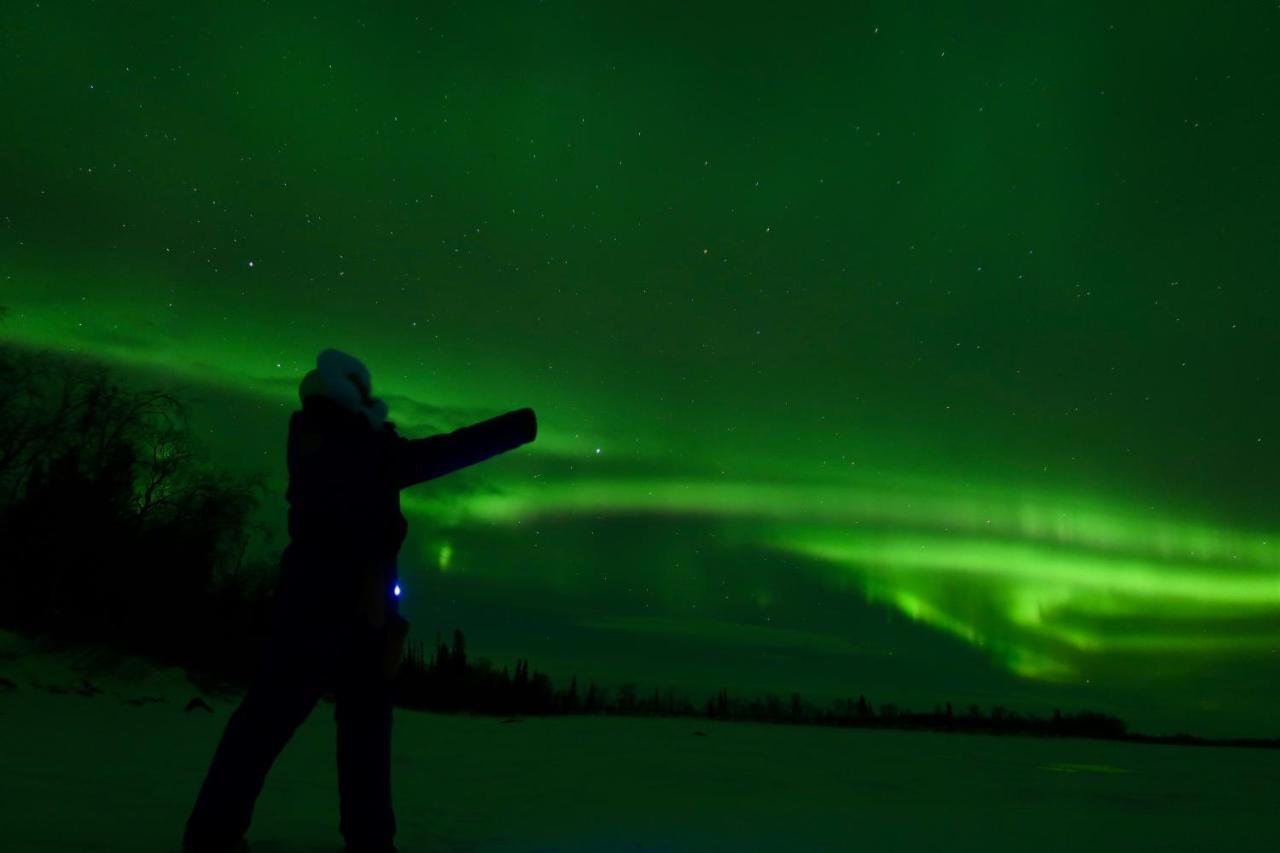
[286,688]
[362,712]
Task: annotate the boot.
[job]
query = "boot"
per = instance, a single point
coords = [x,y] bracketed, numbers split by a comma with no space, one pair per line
[372,847]
[193,846]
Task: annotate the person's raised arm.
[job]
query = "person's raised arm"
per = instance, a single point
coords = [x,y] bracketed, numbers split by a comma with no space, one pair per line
[421,459]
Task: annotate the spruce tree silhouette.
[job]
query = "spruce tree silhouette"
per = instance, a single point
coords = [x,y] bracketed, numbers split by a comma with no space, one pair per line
[337,626]
[116,467]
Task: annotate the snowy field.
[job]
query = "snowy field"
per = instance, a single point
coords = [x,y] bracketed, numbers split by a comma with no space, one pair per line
[90,773]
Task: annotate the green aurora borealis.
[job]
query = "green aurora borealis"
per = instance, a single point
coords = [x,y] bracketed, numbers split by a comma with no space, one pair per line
[918,350]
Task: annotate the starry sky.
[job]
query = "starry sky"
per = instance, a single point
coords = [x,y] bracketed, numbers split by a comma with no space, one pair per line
[916,349]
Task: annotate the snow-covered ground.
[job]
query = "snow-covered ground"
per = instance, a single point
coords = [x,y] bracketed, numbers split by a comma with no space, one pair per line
[94,772]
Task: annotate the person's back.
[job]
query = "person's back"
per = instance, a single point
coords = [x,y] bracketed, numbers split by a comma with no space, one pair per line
[345,524]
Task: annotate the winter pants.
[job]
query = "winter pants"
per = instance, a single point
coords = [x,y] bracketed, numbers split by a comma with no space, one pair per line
[305,659]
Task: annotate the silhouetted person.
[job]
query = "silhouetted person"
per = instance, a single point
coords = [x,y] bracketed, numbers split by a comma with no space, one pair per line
[337,627]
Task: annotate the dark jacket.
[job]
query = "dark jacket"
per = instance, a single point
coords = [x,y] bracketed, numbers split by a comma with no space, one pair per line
[345,480]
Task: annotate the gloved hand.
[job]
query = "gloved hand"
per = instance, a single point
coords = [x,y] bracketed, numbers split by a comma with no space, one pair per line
[373,600]
[373,614]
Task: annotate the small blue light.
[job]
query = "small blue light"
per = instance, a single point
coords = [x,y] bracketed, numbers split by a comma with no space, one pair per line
[397,590]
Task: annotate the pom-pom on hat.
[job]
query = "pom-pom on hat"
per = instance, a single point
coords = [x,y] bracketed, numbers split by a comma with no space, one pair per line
[339,377]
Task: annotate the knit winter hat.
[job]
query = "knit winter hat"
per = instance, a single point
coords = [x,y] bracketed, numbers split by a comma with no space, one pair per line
[332,378]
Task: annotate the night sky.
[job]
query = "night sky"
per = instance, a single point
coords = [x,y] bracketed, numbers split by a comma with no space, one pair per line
[917,350]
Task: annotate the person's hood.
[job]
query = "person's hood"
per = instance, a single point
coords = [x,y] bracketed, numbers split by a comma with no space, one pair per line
[333,380]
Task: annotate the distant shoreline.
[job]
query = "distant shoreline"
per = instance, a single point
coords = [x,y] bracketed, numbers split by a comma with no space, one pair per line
[434,696]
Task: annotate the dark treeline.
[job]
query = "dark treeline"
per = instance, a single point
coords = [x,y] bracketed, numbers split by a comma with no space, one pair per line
[113,533]
[449,681]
